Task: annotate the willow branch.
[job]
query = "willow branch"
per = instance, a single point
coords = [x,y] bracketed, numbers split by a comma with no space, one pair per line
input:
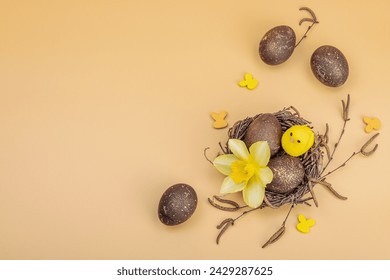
[313,21]
[345,119]
[279,233]
[363,150]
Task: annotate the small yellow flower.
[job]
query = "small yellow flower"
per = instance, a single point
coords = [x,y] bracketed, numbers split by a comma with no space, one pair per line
[246,171]
[305,224]
[371,123]
[249,81]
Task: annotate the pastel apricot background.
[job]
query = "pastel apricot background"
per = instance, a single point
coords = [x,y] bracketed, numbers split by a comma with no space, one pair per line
[105,104]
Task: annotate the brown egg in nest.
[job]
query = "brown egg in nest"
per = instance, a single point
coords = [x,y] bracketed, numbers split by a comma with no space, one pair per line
[265,127]
[288,173]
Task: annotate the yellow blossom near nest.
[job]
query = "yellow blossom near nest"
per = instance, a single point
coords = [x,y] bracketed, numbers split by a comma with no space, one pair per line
[305,224]
[246,171]
[249,81]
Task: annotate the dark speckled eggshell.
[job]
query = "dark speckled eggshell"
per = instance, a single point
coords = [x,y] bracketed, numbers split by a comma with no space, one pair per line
[177,204]
[277,45]
[265,127]
[288,173]
[329,66]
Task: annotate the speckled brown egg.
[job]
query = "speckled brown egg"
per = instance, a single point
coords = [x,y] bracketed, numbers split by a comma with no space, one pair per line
[177,204]
[265,127]
[288,174]
[277,45]
[329,66]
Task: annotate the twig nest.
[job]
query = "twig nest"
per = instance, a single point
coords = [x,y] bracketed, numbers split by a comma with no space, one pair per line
[288,174]
[265,127]
[311,160]
[177,204]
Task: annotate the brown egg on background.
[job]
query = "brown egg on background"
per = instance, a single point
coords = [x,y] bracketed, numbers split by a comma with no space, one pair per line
[329,66]
[277,45]
[177,204]
[288,174]
[265,127]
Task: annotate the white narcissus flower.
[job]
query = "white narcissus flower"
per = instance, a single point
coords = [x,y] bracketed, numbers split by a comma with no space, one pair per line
[246,171]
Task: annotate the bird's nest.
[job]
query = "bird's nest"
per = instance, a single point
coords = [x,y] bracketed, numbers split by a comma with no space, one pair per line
[315,162]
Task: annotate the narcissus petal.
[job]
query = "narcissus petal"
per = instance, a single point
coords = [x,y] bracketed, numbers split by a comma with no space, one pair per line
[265,175]
[260,152]
[238,148]
[223,163]
[229,186]
[253,194]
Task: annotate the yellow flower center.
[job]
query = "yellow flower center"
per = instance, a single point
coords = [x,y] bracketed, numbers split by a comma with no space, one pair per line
[242,170]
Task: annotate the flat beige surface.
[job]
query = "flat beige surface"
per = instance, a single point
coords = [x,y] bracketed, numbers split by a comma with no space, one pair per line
[105,104]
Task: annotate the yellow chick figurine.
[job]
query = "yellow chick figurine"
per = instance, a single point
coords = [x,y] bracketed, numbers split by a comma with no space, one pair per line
[297,140]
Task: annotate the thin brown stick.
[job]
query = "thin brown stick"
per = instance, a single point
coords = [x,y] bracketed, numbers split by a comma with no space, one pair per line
[275,237]
[226,224]
[227,201]
[223,208]
[327,151]
[205,155]
[228,220]
[364,150]
[332,190]
[269,204]
[326,136]
[340,166]
[224,150]
[304,200]
[345,119]
[235,205]
[313,21]
[296,111]
[306,19]
[288,214]
[279,233]
[246,212]
[312,192]
[310,11]
[324,139]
